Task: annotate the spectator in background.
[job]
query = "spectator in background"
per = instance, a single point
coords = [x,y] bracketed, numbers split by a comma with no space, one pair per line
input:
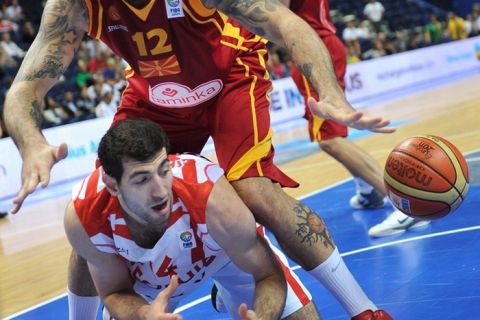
[6,62]
[68,104]
[10,47]
[85,104]
[53,114]
[350,34]
[107,106]
[433,30]
[471,26]
[83,77]
[14,12]
[83,52]
[28,35]
[378,50]
[97,62]
[456,26]
[110,72]
[415,41]
[276,68]
[353,55]
[374,11]
[98,89]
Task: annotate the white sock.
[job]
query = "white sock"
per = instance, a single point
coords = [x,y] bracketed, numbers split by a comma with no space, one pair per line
[337,279]
[362,185]
[82,308]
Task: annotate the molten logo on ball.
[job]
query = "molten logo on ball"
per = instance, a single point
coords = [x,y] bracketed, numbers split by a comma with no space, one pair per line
[405,170]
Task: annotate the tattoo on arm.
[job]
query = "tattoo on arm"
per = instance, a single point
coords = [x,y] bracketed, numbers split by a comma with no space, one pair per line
[58,31]
[36,114]
[312,228]
[250,13]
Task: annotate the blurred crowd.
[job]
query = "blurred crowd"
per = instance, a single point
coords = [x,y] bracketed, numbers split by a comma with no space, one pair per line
[375,29]
[92,85]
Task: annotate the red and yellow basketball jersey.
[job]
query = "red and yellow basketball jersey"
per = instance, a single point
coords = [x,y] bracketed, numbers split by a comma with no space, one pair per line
[179,51]
[316,13]
[185,249]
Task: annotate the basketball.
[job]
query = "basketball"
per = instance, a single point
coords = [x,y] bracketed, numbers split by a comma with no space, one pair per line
[426,177]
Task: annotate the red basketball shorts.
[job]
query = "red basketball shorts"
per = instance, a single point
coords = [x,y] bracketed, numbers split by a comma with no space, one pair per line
[318,128]
[238,120]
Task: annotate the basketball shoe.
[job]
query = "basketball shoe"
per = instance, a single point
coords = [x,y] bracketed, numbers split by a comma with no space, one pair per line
[372,200]
[397,222]
[373,315]
[217,302]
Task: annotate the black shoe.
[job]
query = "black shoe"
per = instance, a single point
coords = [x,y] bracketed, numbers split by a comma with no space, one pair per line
[3,214]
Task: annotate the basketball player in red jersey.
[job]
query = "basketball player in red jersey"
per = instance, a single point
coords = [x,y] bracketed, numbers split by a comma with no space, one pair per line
[330,135]
[198,73]
[145,217]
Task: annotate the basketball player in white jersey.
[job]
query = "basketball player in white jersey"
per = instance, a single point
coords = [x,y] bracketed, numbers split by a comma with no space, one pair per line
[145,219]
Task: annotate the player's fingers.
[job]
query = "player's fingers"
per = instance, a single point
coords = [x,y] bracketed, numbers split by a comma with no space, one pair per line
[44,175]
[28,186]
[61,152]
[242,311]
[384,130]
[172,286]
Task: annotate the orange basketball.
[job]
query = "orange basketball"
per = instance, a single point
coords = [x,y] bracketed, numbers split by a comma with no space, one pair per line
[426,177]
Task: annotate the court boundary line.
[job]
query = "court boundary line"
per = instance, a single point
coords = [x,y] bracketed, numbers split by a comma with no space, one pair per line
[346,254]
[296,267]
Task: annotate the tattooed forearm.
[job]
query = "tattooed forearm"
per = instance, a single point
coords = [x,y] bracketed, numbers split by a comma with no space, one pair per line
[250,13]
[312,228]
[36,113]
[57,38]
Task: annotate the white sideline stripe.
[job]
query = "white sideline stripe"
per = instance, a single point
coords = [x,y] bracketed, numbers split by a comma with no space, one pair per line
[192,304]
[205,298]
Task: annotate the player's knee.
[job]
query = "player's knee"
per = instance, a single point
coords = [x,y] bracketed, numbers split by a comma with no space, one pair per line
[330,146]
[262,197]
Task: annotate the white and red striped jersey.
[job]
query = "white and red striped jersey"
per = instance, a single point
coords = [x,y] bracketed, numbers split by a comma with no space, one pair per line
[316,13]
[186,249]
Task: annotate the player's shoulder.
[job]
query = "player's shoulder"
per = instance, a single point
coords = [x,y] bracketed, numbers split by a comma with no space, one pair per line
[194,167]
[90,187]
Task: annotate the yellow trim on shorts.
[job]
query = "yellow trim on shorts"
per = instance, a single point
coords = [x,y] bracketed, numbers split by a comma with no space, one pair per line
[315,134]
[260,149]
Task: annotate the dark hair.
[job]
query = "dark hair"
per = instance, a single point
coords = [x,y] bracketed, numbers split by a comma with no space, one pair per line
[131,139]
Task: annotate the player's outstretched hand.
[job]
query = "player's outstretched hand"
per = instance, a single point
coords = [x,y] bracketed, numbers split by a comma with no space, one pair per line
[158,308]
[354,119]
[37,163]
[246,314]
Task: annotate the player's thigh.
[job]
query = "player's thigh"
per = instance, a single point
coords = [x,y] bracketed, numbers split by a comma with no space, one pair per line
[240,123]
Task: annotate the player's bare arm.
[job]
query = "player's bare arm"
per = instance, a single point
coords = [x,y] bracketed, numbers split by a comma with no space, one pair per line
[112,278]
[63,25]
[232,225]
[272,20]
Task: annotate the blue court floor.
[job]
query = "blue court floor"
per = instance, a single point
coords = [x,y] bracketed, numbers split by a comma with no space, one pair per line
[432,273]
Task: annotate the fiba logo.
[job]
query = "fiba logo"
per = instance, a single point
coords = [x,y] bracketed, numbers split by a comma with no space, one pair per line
[188,241]
[186,236]
[173,3]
